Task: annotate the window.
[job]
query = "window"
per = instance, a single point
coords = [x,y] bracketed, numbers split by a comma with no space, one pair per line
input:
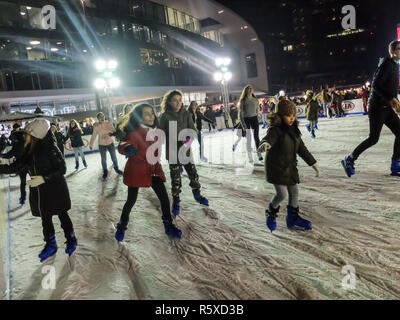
[251,65]
[10,15]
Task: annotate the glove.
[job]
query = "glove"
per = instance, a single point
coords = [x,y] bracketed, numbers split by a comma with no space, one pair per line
[35,181]
[316,168]
[264,147]
[131,150]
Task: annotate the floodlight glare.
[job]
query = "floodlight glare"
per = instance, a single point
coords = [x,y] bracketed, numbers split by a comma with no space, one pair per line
[99,83]
[100,65]
[112,64]
[281,93]
[219,61]
[227,76]
[218,76]
[367,83]
[227,61]
[107,74]
[115,83]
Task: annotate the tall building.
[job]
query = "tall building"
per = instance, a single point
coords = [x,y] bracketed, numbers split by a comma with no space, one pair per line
[307,46]
[159,44]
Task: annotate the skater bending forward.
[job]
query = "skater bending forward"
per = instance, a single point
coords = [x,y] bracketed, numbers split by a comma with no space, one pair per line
[282,143]
[48,190]
[382,100]
[139,172]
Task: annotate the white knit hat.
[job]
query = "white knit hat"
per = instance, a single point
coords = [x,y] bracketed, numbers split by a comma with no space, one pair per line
[37,128]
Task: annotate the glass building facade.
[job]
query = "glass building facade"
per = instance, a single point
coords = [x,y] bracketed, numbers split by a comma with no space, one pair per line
[149,40]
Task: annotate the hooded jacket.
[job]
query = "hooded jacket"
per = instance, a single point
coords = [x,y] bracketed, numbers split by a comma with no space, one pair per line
[281,160]
[184,121]
[385,82]
[51,197]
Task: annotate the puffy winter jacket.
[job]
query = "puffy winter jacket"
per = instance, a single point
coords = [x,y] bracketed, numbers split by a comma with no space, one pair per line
[75,135]
[138,171]
[385,82]
[51,197]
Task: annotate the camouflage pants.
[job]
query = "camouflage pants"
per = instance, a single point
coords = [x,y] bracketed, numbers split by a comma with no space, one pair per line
[176,181]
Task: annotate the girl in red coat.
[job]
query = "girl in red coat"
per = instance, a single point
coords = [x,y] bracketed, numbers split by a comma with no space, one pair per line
[139,172]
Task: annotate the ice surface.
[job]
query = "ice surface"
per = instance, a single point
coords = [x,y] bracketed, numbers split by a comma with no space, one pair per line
[226,251]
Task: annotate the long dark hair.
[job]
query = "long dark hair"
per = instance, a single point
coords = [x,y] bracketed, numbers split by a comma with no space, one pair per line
[132,120]
[190,108]
[165,106]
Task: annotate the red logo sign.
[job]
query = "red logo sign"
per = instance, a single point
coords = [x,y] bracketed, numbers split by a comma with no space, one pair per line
[348,106]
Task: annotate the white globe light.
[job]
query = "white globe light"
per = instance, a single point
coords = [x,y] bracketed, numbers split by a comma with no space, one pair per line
[99,83]
[219,61]
[115,83]
[218,76]
[367,83]
[112,64]
[227,76]
[281,93]
[227,61]
[100,65]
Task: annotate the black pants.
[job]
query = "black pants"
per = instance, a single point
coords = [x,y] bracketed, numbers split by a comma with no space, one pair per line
[48,227]
[252,123]
[22,177]
[159,188]
[379,116]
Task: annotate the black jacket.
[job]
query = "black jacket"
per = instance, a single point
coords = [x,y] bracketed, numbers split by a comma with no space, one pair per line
[17,143]
[51,197]
[76,137]
[385,82]
[60,140]
[197,119]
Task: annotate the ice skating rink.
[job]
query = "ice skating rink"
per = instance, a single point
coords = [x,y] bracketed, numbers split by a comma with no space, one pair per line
[226,251]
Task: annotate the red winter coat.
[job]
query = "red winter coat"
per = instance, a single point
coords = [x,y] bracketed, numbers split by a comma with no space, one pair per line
[138,171]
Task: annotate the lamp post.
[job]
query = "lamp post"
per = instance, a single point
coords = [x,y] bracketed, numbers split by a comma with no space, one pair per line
[107,81]
[223,75]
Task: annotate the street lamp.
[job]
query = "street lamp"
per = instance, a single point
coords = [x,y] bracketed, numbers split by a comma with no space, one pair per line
[107,81]
[367,84]
[281,93]
[223,75]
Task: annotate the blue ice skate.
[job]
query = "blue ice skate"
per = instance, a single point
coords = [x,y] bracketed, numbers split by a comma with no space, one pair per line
[313,134]
[199,198]
[21,201]
[308,127]
[293,220]
[271,214]
[171,230]
[117,171]
[71,243]
[120,233]
[316,127]
[49,249]
[348,165]
[395,168]
[176,206]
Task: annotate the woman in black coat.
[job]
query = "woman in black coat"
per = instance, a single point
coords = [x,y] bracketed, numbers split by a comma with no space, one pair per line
[59,137]
[75,135]
[197,116]
[49,194]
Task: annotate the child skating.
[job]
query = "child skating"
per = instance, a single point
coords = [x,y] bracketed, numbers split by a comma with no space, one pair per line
[282,143]
[174,112]
[48,190]
[139,173]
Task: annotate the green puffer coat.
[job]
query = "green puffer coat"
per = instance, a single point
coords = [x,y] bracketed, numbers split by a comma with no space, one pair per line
[312,110]
[281,159]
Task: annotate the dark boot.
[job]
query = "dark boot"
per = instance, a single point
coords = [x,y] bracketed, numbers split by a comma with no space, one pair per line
[171,230]
[117,171]
[120,233]
[49,249]
[271,215]
[199,198]
[76,164]
[71,242]
[105,174]
[84,163]
[294,220]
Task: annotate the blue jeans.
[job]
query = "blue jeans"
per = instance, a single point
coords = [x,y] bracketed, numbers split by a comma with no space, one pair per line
[78,151]
[103,154]
[264,119]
